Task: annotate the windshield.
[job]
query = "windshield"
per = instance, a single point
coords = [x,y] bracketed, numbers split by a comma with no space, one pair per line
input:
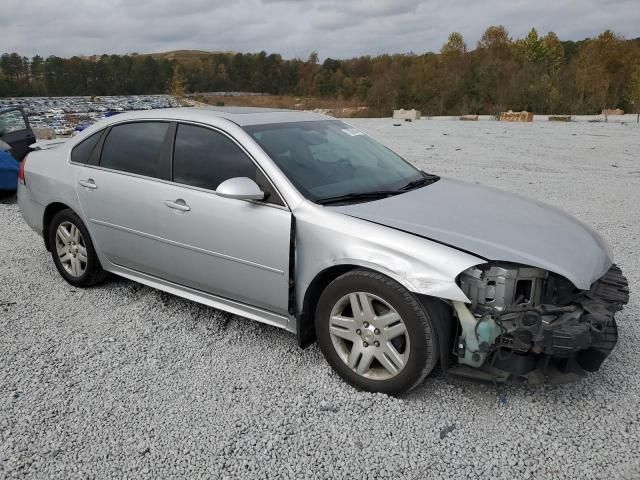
[328,158]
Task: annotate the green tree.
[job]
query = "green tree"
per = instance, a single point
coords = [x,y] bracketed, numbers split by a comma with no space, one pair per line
[633,90]
[533,47]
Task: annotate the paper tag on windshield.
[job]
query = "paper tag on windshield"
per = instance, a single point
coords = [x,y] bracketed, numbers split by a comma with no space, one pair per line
[352,132]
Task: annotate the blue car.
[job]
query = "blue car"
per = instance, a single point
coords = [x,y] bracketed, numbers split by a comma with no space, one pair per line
[9,167]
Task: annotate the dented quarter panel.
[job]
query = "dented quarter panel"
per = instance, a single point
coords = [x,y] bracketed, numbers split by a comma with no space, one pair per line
[326,238]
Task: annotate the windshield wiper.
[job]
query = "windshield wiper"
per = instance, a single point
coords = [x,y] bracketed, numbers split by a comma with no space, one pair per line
[423,181]
[358,196]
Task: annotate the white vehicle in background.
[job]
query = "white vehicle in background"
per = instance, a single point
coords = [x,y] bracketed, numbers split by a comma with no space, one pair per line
[64,130]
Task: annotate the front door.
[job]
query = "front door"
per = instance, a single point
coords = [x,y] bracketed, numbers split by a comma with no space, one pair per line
[15,131]
[236,249]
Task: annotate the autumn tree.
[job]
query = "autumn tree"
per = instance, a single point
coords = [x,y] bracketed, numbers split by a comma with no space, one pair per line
[496,41]
[495,68]
[603,68]
[453,68]
[307,71]
[178,82]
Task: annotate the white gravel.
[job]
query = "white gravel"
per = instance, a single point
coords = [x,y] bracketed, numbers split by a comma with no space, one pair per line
[128,382]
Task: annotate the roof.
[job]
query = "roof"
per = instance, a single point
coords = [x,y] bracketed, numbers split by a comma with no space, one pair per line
[242,116]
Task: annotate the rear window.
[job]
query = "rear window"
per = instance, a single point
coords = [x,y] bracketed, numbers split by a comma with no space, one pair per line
[82,152]
[135,148]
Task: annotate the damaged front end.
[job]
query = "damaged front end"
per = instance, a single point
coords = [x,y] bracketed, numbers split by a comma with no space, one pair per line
[527,324]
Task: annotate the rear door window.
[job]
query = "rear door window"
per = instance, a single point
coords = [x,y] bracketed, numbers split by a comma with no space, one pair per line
[136,147]
[82,152]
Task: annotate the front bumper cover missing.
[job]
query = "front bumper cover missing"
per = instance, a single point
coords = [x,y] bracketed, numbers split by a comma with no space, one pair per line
[559,344]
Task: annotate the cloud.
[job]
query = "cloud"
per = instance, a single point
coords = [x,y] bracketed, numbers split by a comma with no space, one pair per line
[335,28]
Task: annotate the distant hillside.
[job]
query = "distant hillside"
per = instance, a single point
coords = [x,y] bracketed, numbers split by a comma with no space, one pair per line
[182,55]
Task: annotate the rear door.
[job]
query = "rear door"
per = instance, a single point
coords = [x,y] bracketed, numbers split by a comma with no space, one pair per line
[15,130]
[236,249]
[121,195]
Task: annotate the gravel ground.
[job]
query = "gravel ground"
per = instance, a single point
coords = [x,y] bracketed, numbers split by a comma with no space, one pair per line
[125,381]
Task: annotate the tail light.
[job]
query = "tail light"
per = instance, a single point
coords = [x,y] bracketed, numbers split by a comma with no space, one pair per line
[21,171]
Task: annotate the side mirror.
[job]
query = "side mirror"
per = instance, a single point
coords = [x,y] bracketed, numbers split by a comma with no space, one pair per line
[240,188]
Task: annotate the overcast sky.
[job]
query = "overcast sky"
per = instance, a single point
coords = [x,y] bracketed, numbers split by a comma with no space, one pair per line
[334,28]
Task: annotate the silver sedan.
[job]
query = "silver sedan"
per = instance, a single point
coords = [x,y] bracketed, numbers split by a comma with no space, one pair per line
[303,222]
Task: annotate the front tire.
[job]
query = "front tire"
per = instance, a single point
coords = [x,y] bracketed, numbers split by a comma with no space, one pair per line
[374,333]
[72,250]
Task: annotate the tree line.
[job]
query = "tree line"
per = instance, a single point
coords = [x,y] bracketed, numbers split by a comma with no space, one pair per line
[538,73]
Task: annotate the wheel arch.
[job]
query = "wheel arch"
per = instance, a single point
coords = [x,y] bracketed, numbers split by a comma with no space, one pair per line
[50,212]
[439,309]
[445,324]
[305,319]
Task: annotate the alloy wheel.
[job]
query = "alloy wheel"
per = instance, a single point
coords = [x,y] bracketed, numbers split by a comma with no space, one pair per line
[71,249]
[369,335]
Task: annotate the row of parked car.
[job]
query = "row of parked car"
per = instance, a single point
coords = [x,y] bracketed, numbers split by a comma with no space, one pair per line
[61,105]
[57,117]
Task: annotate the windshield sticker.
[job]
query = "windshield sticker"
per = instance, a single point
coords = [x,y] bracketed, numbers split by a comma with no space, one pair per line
[353,132]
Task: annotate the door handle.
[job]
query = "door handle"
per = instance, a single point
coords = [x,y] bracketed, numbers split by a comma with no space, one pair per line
[90,184]
[179,205]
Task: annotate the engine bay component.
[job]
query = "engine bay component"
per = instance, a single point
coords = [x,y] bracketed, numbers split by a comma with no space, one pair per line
[527,323]
[493,289]
[477,336]
[500,286]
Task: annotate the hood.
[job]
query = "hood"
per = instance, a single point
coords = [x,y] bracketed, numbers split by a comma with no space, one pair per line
[495,225]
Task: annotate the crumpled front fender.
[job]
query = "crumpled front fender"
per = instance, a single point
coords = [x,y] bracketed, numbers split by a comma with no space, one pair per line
[325,239]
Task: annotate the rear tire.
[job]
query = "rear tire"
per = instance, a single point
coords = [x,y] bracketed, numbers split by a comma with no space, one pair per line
[72,250]
[375,333]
